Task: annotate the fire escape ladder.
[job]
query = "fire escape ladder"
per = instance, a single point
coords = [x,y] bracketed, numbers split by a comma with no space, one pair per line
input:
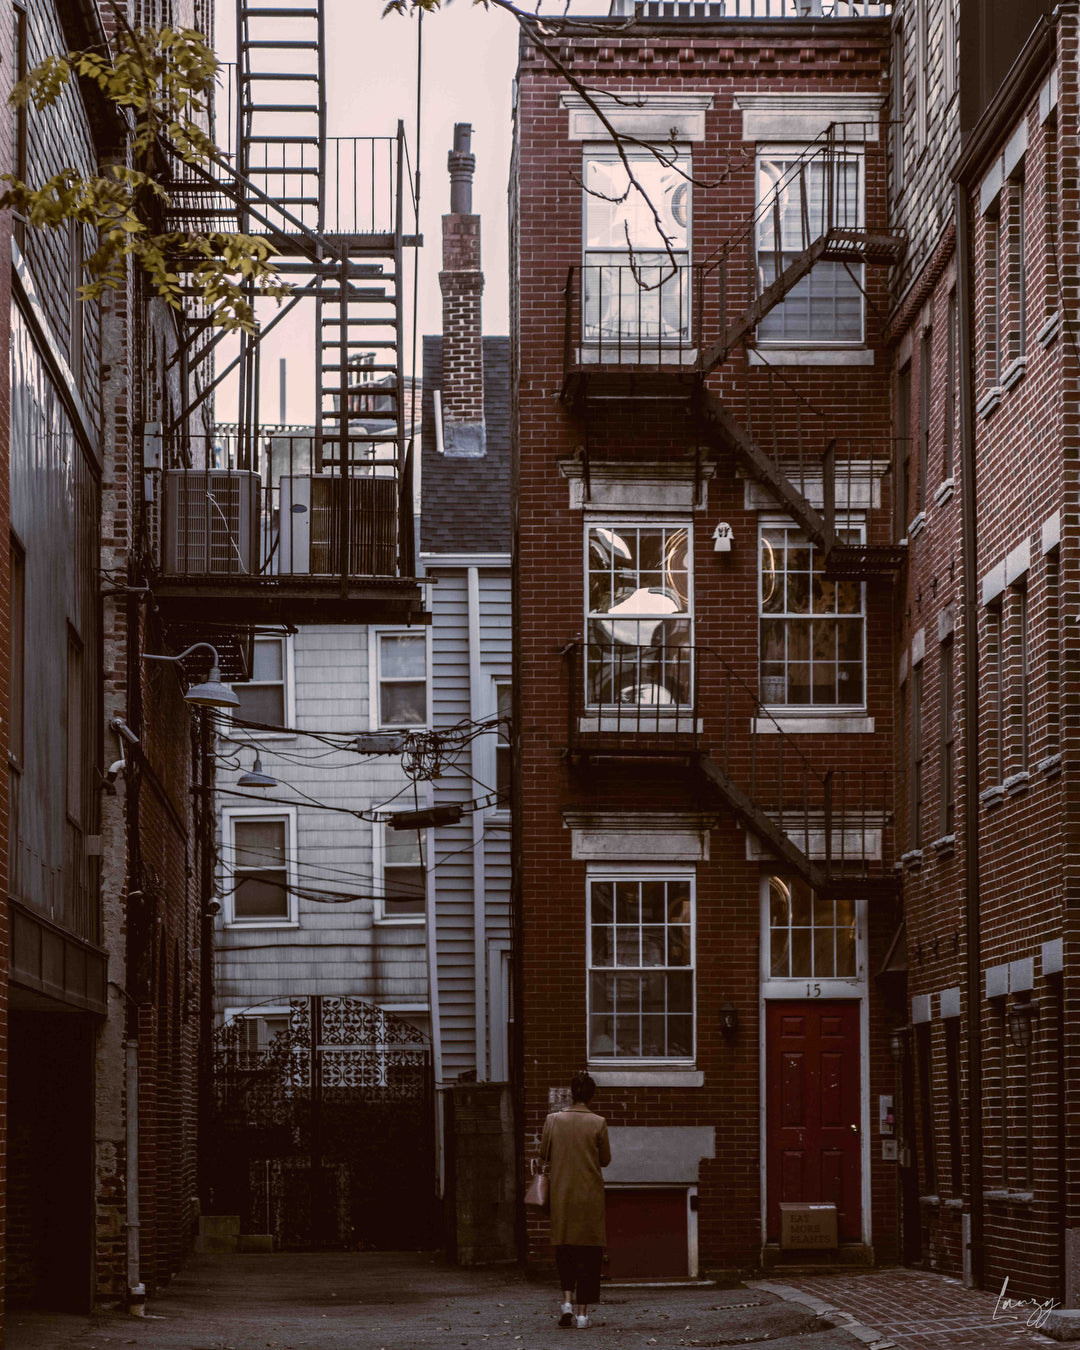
[281,122]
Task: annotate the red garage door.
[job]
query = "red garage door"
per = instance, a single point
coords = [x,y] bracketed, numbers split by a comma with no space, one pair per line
[646,1233]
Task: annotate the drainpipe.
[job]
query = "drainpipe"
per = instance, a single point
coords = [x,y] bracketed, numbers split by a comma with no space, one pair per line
[973,1253]
[136,1289]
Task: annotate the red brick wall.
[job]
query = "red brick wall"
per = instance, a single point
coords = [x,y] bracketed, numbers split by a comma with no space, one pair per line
[1025,453]
[546,211]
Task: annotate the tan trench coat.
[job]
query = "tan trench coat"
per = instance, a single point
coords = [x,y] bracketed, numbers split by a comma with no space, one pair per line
[575,1144]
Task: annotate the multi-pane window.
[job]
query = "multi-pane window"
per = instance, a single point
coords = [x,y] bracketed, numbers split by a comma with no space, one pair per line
[801,195]
[74,727]
[641,967]
[636,274]
[504,696]
[401,676]
[948,739]
[17,651]
[810,937]
[996,634]
[263,699]
[640,614]
[255,1034]
[925,1068]
[952,1078]
[404,877]
[926,375]
[1017,270]
[898,107]
[992,307]
[950,385]
[812,627]
[1023,676]
[260,868]
[903,448]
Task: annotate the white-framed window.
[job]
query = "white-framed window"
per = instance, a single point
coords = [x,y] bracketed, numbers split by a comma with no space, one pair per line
[268,697]
[259,866]
[399,678]
[810,938]
[811,189]
[400,874]
[641,967]
[639,613]
[813,629]
[501,779]
[637,248]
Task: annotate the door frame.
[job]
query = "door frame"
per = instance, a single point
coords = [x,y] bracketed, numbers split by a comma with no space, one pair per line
[772,990]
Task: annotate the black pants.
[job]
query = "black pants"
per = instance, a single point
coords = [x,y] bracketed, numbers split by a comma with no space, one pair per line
[579,1269]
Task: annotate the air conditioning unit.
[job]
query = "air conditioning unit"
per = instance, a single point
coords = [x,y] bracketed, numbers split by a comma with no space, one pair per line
[318,510]
[210,522]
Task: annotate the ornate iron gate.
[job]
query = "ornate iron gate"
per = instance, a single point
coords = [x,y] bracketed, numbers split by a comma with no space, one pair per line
[324,1136]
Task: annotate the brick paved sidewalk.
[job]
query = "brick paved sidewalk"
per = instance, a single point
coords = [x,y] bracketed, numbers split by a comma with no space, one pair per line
[913,1310]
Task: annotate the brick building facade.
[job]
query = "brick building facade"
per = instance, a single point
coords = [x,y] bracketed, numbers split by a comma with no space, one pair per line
[724,487]
[677,803]
[105,851]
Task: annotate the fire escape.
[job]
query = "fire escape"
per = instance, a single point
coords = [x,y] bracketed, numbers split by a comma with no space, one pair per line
[267,523]
[636,334]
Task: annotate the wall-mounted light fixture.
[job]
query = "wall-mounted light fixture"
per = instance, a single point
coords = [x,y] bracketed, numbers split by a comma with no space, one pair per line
[898,1039]
[255,777]
[1020,1017]
[211,693]
[729,1019]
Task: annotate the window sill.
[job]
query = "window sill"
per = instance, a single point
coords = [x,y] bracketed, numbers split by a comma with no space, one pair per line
[1011,1197]
[647,1077]
[993,796]
[763,355]
[813,723]
[989,401]
[1017,783]
[912,860]
[1014,374]
[930,1201]
[955,1203]
[945,491]
[944,847]
[1051,766]
[273,925]
[1049,331]
[405,921]
[917,526]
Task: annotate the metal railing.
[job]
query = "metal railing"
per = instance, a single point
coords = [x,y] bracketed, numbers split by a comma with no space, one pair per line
[632,313]
[676,702]
[754,9]
[274,506]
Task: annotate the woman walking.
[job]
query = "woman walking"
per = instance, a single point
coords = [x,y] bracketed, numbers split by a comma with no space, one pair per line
[575,1145]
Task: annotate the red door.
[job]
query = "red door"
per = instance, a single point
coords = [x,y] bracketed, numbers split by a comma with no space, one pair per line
[812,1131]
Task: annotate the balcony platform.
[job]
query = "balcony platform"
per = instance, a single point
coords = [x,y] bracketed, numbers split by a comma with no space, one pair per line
[241,601]
[626,382]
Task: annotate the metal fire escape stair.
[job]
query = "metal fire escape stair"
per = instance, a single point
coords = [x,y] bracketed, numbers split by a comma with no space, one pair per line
[333,211]
[836,245]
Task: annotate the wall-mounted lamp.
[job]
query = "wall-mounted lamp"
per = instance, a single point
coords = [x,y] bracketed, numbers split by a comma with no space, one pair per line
[256,777]
[723,538]
[211,693]
[898,1039]
[729,1019]
[1020,1017]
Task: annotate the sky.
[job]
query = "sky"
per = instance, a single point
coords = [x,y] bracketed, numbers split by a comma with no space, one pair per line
[469,57]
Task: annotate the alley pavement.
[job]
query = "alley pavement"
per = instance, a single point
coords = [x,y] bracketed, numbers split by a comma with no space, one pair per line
[413,1301]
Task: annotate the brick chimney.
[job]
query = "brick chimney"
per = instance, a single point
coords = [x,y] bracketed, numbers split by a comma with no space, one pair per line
[462,284]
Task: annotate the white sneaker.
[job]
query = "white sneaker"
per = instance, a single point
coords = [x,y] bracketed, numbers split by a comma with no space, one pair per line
[567,1318]
[582,1321]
